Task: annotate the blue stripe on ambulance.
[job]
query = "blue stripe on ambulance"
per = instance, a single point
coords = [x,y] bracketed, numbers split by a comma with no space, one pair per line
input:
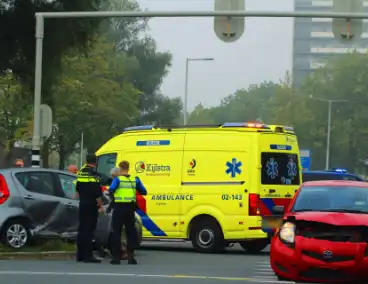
[269,203]
[150,225]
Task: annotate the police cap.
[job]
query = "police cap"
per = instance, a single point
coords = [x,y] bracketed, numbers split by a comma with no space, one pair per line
[91,159]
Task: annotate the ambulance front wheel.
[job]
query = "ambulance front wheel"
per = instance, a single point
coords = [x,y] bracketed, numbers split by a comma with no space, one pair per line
[206,236]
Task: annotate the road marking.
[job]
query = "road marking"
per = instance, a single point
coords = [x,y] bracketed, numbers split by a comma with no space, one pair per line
[92,274]
[264,265]
[266,272]
[265,276]
[272,281]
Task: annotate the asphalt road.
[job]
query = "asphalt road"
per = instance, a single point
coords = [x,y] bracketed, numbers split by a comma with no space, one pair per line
[158,264]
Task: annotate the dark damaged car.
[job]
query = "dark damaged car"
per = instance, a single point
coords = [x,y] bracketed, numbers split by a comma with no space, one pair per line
[42,203]
[324,234]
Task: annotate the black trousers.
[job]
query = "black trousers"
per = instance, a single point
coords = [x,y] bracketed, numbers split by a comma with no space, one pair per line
[123,215]
[88,215]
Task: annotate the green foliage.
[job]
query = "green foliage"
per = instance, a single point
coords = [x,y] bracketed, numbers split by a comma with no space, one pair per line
[17,49]
[163,111]
[343,79]
[42,246]
[14,111]
[99,76]
[91,98]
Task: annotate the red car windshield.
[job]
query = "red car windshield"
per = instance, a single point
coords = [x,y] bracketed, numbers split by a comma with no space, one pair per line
[347,199]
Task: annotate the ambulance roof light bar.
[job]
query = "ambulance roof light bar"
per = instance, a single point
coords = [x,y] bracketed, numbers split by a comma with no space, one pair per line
[246,125]
[289,128]
[339,170]
[139,127]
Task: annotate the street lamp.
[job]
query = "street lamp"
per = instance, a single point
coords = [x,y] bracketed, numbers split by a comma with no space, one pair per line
[186,84]
[330,102]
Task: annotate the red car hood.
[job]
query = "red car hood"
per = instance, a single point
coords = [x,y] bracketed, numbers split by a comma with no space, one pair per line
[333,218]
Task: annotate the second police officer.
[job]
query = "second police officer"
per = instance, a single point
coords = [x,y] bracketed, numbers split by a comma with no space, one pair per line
[124,188]
[89,190]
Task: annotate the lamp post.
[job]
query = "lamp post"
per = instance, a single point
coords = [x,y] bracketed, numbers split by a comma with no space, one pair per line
[330,102]
[186,84]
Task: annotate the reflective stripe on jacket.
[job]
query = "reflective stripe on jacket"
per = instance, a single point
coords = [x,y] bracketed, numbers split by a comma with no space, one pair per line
[85,176]
[126,191]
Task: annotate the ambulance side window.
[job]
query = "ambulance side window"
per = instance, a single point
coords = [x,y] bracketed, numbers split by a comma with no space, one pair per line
[105,163]
[280,168]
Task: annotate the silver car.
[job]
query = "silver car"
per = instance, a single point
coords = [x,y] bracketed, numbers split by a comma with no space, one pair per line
[42,203]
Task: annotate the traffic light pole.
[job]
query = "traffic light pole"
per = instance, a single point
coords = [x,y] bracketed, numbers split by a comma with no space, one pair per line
[40,22]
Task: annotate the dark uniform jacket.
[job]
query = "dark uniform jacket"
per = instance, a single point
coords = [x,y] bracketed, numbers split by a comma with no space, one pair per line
[91,190]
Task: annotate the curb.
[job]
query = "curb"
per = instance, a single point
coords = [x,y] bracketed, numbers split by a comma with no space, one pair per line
[45,255]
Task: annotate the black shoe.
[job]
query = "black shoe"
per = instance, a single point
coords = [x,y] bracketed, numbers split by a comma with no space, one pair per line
[79,258]
[132,260]
[115,261]
[92,260]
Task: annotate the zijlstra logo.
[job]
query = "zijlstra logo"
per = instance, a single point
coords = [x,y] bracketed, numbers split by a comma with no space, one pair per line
[141,167]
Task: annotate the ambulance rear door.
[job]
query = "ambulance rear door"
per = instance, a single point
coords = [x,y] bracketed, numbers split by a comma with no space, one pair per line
[280,172]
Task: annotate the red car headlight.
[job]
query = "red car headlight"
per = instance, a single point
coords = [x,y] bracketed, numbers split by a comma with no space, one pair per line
[287,233]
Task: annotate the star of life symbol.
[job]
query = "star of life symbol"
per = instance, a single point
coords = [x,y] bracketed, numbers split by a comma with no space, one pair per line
[272,168]
[292,172]
[233,168]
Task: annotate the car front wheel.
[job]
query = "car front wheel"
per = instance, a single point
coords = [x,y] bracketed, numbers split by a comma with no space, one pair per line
[16,235]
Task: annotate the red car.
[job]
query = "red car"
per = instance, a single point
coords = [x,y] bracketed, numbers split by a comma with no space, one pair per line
[323,236]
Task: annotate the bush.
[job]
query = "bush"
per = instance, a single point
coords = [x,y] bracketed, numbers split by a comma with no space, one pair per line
[49,245]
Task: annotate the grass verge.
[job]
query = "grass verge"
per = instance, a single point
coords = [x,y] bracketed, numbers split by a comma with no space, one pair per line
[50,245]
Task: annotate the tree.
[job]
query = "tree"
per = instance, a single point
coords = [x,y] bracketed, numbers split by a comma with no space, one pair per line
[200,116]
[129,36]
[123,32]
[14,112]
[17,49]
[344,78]
[242,106]
[164,111]
[89,99]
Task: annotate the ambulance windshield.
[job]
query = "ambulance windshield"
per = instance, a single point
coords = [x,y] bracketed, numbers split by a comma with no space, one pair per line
[280,169]
[105,163]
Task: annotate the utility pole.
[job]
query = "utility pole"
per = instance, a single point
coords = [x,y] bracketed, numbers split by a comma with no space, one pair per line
[329,122]
[328,135]
[81,149]
[186,84]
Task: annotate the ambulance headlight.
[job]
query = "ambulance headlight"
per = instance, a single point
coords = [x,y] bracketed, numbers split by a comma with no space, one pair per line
[287,233]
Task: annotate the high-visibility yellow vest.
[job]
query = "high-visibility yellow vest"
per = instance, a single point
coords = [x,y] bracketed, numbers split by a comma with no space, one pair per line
[85,176]
[126,191]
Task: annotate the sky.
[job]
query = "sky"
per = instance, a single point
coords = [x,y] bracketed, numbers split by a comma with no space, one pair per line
[264,52]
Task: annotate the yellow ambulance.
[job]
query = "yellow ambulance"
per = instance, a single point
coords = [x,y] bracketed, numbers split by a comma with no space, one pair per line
[208,184]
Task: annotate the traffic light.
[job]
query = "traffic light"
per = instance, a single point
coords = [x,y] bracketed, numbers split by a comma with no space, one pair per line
[346,30]
[229,29]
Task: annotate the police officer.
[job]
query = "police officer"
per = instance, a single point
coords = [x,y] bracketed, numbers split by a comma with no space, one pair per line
[124,188]
[90,201]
